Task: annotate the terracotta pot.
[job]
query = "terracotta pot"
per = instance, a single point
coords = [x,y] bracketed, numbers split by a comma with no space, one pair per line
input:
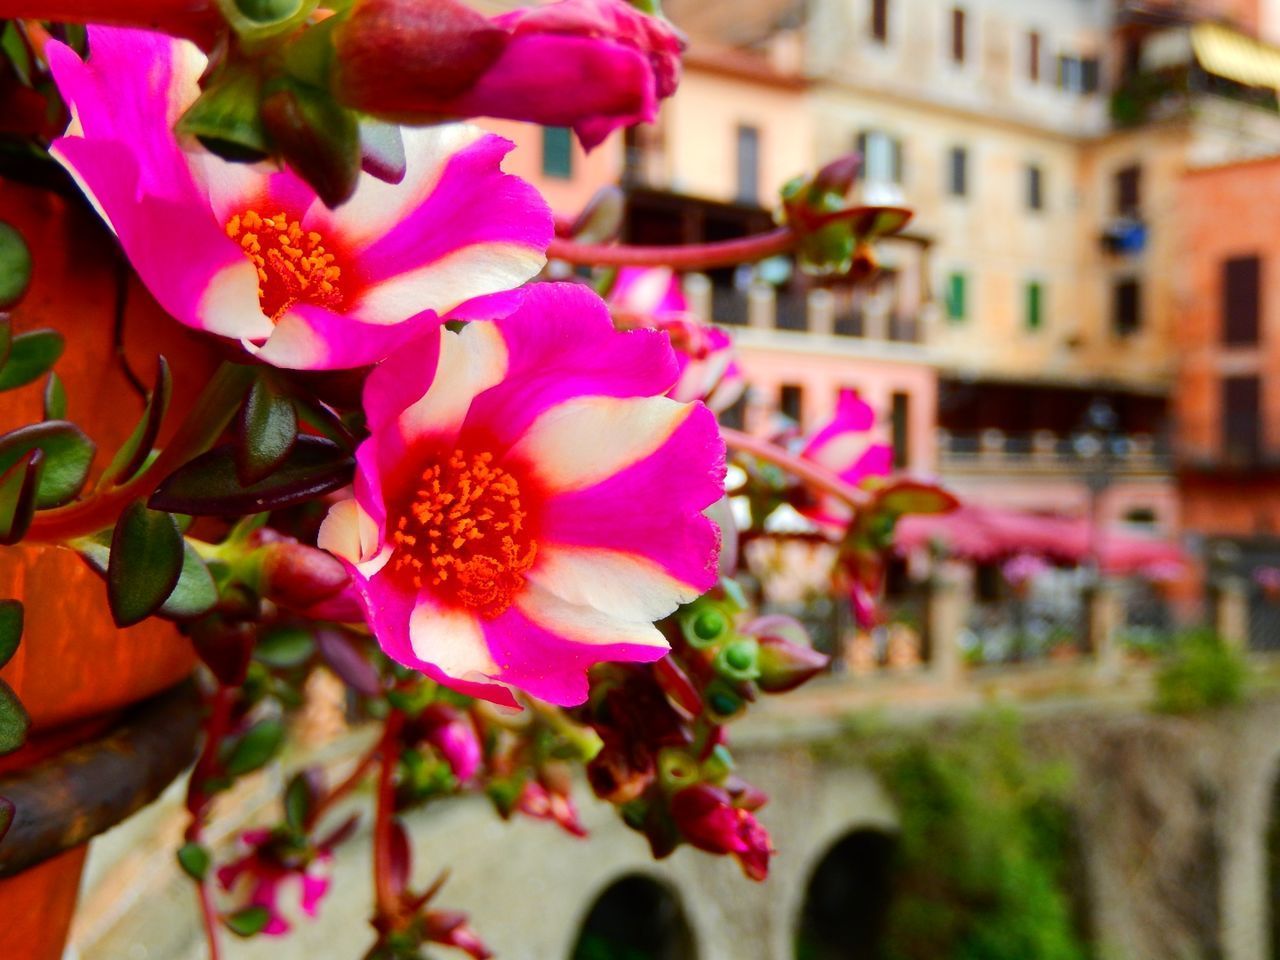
[74,669]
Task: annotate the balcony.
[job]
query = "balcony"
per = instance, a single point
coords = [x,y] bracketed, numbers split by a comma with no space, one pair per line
[1045,452]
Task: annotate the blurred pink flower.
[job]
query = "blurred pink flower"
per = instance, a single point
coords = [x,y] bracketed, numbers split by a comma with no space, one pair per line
[846,447]
[528,502]
[260,879]
[1022,569]
[250,252]
[653,297]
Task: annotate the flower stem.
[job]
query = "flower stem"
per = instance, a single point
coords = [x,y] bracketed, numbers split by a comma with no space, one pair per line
[209,915]
[210,416]
[698,256]
[811,473]
[386,898]
[349,783]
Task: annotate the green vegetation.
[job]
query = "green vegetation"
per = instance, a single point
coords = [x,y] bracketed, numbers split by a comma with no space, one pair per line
[1201,673]
[985,864]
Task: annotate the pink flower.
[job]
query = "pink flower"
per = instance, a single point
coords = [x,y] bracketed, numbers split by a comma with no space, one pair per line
[454,738]
[845,447]
[708,819]
[528,502]
[251,253]
[593,65]
[653,297]
[261,876]
[1022,569]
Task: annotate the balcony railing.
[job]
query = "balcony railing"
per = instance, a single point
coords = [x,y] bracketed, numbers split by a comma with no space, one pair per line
[1046,451]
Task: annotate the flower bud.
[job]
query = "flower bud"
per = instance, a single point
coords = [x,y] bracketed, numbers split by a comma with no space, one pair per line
[706,624]
[297,576]
[450,928]
[316,136]
[454,738]
[738,660]
[708,820]
[723,702]
[838,176]
[226,118]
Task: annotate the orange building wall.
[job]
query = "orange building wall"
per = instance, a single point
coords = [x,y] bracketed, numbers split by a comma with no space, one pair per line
[1227,211]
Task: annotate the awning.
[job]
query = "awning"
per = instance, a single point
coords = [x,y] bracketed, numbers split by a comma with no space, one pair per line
[989,534]
[1234,56]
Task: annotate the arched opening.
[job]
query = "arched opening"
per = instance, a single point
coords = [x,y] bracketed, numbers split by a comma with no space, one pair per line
[1273,868]
[635,918]
[847,900]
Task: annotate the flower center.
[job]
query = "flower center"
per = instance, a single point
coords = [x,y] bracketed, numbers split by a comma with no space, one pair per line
[293,264]
[466,533]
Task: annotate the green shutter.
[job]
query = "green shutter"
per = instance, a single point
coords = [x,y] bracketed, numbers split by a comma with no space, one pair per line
[1035,306]
[557,152]
[956,297]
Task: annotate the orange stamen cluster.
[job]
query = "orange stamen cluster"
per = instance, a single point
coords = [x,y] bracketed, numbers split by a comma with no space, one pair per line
[293,264]
[465,533]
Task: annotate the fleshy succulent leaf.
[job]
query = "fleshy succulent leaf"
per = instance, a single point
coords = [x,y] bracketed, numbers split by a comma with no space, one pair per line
[11,616]
[31,354]
[68,454]
[135,450]
[18,496]
[14,721]
[146,562]
[268,429]
[209,485]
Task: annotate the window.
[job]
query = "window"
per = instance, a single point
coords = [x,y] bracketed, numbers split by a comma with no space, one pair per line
[1240,301]
[1126,307]
[1034,55]
[958,172]
[958,25]
[880,21]
[748,164]
[791,401]
[1241,419]
[1128,190]
[735,415]
[956,297]
[1035,187]
[1078,74]
[881,157]
[1035,305]
[557,153]
[900,420]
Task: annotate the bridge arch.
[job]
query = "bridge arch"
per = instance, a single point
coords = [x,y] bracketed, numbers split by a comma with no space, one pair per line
[846,897]
[637,916]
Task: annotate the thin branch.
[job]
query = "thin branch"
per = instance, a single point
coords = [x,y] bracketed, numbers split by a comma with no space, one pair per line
[386,900]
[811,473]
[699,256]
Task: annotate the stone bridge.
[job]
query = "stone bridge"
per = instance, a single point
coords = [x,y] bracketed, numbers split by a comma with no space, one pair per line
[1173,818]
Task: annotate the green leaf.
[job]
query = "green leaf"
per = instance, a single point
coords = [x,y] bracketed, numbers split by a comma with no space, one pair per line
[910,496]
[316,135]
[15,266]
[285,647]
[55,398]
[134,452]
[68,454]
[268,428]
[146,561]
[208,485]
[31,355]
[248,921]
[6,816]
[195,592]
[256,748]
[14,721]
[11,615]
[299,800]
[6,339]
[194,860]
[18,497]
